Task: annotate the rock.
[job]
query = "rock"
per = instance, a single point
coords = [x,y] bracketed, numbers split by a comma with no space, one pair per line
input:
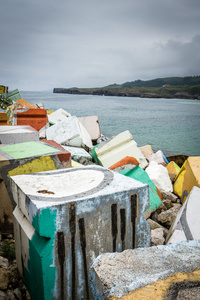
[161,208]
[159,175]
[4,279]
[154,225]
[170,196]
[157,237]
[2,295]
[10,295]
[18,293]
[169,215]
[4,263]
[167,203]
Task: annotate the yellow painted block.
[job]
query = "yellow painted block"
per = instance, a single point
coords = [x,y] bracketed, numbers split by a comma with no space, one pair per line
[44,163]
[188,177]
[178,184]
[159,289]
[76,164]
[172,167]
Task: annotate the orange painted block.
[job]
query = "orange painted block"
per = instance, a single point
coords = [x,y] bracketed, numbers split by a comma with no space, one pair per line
[35,117]
[127,162]
[3,118]
[25,103]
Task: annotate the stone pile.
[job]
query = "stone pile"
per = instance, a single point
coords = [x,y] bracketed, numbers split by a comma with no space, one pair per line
[11,284]
[161,220]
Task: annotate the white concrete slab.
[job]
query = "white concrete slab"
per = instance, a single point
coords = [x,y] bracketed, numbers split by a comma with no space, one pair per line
[17,134]
[70,132]
[119,147]
[187,223]
[91,123]
[58,115]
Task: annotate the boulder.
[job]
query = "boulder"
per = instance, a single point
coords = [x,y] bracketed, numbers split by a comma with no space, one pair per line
[159,175]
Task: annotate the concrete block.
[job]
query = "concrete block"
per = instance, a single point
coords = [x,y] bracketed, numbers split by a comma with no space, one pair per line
[159,175]
[24,158]
[141,175]
[78,153]
[3,118]
[158,157]
[18,134]
[187,223]
[173,170]
[188,177]
[159,272]
[64,219]
[114,150]
[70,132]
[25,103]
[146,150]
[10,110]
[126,163]
[91,124]
[58,115]
[35,117]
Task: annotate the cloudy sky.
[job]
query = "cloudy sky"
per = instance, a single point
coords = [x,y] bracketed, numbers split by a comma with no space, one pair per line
[93,43]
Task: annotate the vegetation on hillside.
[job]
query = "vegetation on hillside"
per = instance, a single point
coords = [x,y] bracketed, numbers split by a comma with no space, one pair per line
[170,87]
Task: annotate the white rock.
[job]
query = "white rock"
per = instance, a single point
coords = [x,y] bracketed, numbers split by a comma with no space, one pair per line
[160,177]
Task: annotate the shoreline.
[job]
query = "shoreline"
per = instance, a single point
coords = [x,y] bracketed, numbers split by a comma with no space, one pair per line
[121,93]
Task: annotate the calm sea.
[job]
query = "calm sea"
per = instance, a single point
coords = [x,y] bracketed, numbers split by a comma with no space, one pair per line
[171,125]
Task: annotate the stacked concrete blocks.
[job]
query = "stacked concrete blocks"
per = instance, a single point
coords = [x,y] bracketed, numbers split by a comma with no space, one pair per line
[64,219]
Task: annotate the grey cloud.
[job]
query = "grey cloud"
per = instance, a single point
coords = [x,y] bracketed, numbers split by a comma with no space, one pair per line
[94,43]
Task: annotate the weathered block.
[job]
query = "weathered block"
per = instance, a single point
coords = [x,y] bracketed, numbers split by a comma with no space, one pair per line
[159,272]
[18,134]
[186,226]
[35,117]
[64,219]
[69,132]
[188,176]
[122,145]
[91,124]
[24,158]
[58,115]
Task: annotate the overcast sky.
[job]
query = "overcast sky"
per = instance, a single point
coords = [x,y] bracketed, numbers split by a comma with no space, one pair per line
[93,43]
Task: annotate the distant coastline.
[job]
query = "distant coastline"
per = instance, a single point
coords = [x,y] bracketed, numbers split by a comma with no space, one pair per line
[169,87]
[121,93]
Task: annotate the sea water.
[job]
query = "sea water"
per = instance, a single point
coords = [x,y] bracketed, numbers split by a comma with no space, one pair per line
[170,125]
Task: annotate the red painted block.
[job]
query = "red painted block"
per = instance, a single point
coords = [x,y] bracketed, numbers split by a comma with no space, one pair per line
[35,117]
